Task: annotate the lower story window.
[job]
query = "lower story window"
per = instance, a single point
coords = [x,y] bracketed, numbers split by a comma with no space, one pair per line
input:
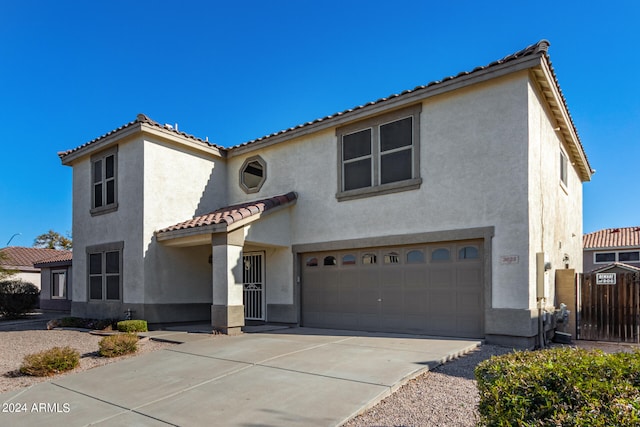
[59,284]
[105,272]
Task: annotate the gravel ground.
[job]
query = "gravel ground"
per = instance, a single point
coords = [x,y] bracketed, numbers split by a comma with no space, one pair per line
[18,340]
[446,396]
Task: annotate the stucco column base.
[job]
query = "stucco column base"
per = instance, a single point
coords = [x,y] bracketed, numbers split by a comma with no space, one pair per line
[227,319]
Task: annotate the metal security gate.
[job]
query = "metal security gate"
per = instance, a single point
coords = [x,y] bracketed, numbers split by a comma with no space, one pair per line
[609,307]
[253,283]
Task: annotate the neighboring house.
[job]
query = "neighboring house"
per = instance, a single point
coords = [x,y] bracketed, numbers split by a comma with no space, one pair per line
[612,248]
[434,211]
[21,260]
[56,274]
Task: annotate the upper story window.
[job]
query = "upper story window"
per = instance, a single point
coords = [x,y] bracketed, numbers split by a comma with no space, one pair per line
[104,181]
[379,155]
[564,164]
[253,174]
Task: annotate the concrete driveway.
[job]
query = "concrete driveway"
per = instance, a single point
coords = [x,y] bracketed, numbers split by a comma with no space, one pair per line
[290,377]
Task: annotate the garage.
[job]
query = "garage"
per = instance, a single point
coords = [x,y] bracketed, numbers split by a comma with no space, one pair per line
[431,289]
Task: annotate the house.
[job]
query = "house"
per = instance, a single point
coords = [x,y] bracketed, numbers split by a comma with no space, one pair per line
[55,277]
[442,210]
[612,249]
[21,260]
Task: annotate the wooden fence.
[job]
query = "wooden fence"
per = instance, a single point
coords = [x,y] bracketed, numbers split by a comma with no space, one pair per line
[609,311]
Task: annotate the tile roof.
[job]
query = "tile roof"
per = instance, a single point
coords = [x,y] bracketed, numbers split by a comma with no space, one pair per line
[140,118]
[230,214]
[18,256]
[612,238]
[539,48]
[64,257]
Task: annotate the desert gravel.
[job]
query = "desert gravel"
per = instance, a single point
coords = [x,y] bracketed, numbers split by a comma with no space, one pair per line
[21,339]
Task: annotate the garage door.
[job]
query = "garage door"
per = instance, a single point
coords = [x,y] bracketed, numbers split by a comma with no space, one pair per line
[434,289]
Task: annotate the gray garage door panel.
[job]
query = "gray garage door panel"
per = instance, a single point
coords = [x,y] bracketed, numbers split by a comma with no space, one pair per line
[380,289]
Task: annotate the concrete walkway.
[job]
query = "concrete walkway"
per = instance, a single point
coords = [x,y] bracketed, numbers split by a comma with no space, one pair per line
[289,377]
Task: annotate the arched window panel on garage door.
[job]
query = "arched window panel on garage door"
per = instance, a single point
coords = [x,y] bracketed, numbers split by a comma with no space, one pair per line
[369,258]
[330,260]
[349,259]
[441,254]
[468,252]
[392,258]
[312,262]
[415,256]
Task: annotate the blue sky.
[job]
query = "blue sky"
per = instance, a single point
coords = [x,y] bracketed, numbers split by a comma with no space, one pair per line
[71,71]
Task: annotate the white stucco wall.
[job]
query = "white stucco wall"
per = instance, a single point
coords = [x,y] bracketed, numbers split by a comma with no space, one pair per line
[473,162]
[123,225]
[178,184]
[555,222]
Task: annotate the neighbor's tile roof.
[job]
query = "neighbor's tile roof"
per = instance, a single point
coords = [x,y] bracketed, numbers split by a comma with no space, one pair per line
[61,257]
[18,256]
[612,238]
[230,214]
[141,118]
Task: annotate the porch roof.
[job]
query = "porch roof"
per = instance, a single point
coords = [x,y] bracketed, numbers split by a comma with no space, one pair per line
[226,219]
[631,268]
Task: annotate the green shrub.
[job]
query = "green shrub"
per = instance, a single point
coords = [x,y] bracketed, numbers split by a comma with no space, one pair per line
[132,326]
[50,362]
[17,298]
[118,345]
[560,387]
[81,322]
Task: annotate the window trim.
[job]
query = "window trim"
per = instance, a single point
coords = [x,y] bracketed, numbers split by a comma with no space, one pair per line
[245,187]
[616,256]
[53,275]
[564,170]
[103,249]
[375,123]
[101,156]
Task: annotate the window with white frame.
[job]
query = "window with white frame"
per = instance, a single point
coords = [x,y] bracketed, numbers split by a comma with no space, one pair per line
[379,155]
[563,168]
[618,256]
[104,186]
[105,271]
[59,284]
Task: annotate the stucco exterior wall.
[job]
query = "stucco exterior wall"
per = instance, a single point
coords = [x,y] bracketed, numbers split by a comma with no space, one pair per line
[555,223]
[178,184]
[473,163]
[123,225]
[28,276]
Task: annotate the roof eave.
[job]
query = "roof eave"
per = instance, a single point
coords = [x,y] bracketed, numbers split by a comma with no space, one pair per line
[392,103]
[131,130]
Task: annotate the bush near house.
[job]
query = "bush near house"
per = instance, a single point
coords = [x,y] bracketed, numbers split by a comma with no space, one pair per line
[560,387]
[118,345]
[81,322]
[50,362]
[17,298]
[132,326]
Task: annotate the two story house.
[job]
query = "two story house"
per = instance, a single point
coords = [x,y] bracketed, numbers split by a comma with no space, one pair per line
[442,210]
[612,249]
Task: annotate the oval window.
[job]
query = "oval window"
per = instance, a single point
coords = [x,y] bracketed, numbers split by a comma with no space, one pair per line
[253,174]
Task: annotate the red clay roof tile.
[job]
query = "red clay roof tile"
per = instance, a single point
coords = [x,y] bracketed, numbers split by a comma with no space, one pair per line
[234,213]
[18,256]
[612,238]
